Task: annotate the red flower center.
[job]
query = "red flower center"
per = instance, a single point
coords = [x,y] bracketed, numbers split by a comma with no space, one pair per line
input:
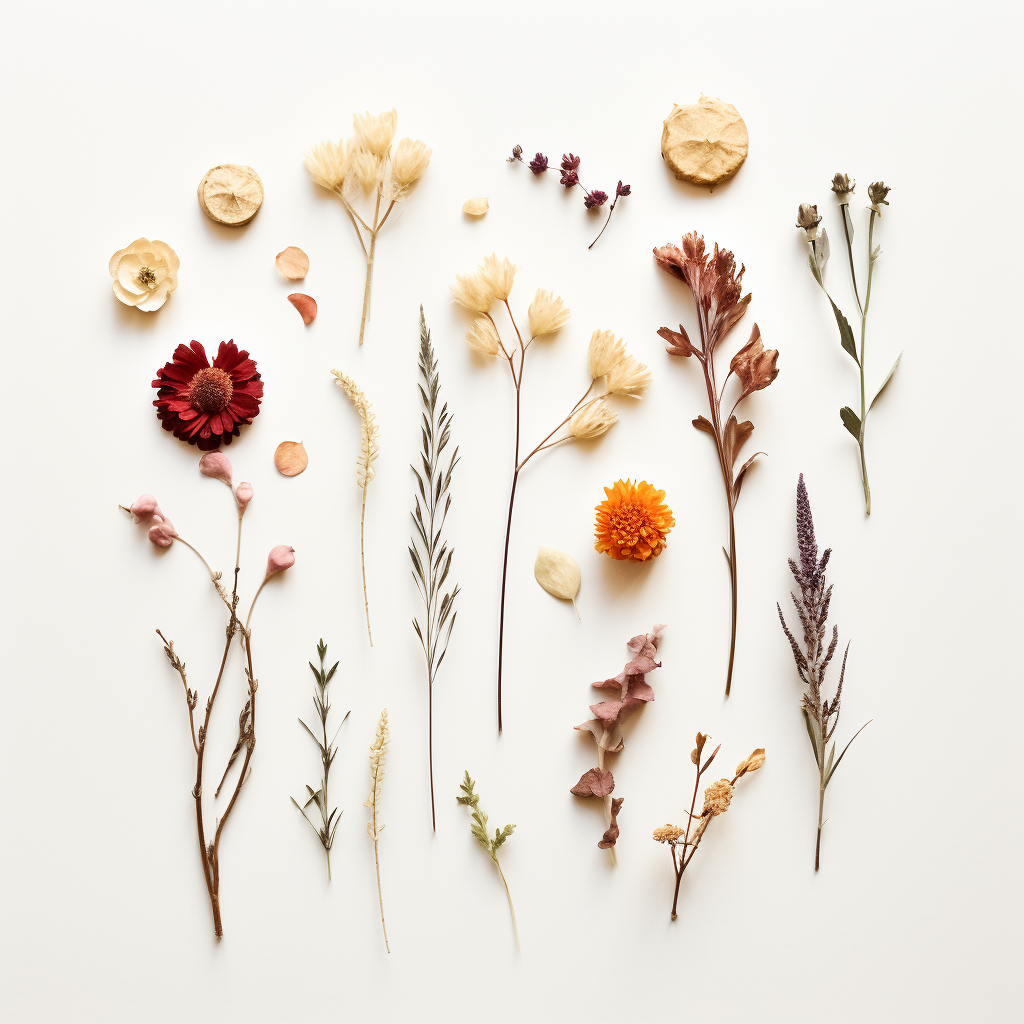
[210,390]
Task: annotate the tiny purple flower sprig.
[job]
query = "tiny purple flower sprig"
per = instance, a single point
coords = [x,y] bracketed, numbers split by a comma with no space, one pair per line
[570,179]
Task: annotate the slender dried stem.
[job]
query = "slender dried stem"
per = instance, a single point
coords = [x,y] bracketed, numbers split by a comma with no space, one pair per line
[515,926]
[362,559]
[863,395]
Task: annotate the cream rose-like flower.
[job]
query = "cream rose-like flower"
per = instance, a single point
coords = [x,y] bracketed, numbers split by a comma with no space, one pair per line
[328,163]
[409,162]
[604,353]
[144,274]
[547,314]
[473,291]
[628,377]
[483,338]
[501,275]
[593,421]
[364,166]
[375,132]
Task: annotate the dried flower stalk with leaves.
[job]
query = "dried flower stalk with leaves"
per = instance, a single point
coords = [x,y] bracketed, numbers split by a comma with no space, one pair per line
[365,166]
[590,417]
[429,550]
[633,691]
[683,842]
[163,534]
[329,816]
[378,766]
[716,287]
[470,798]
[820,715]
[808,220]
[368,449]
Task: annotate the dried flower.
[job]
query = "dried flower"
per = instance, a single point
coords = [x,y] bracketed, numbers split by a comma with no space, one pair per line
[378,765]
[632,691]
[482,337]
[605,353]
[569,179]
[375,131]
[595,198]
[668,833]
[329,162]
[280,558]
[144,274]
[144,507]
[500,275]
[812,660]
[162,533]
[243,495]
[365,169]
[216,465]
[877,191]
[570,162]
[474,291]
[547,313]
[808,218]
[717,797]
[539,164]
[843,186]
[517,154]
[629,377]
[206,404]
[621,190]
[632,521]
[717,289]
[593,420]
[409,162]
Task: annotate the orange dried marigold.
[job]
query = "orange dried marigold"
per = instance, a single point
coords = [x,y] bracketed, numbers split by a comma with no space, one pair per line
[632,521]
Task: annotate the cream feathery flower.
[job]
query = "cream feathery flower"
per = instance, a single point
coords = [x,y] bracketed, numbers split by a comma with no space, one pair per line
[474,291]
[364,167]
[605,352]
[628,377]
[547,314]
[375,132]
[483,338]
[593,420]
[409,162]
[500,273]
[328,162]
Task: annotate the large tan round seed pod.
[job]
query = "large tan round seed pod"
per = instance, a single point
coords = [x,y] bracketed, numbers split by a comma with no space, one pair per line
[231,194]
[704,142]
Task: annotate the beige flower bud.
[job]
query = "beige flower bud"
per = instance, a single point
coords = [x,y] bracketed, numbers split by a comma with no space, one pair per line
[473,291]
[843,186]
[483,338]
[752,763]
[592,420]
[501,275]
[877,191]
[364,167]
[329,162]
[604,353]
[409,162]
[375,132]
[808,218]
[547,314]
[628,377]
[717,797]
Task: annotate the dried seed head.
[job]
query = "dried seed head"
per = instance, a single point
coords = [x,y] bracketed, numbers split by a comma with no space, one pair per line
[843,186]
[547,313]
[483,338]
[877,191]
[668,833]
[807,218]
[717,797]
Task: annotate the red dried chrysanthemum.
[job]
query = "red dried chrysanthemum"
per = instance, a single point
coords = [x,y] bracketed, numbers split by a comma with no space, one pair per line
[203,404]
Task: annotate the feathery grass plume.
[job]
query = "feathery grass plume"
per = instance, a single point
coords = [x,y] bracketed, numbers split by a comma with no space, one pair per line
[683,842]
[363,170]
[364,465]
[808,220]
[430,553]
[329,817]
[470,798]
[717,292]
[633,691]
[812,660]
[378,765]
[587,419]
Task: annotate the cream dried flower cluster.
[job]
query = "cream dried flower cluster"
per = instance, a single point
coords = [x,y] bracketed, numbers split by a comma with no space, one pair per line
[144,274]
[370,168]
[490,284]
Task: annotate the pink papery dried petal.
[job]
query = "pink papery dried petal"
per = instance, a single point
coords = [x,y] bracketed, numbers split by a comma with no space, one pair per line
[243,495]
[596,782]
[607,738]
[216,465]
[162,533]
[144,507]
[282,557]
[305,304]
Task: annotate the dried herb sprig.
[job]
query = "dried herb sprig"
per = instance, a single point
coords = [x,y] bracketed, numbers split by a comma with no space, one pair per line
[590,417]
[368,449]
[365,166]
[683,842]
[812,660]
[470,798]
[378,766]
[808,220]
[592,199]
[717,292]
[329,817]
[633,691]
[429,550]
[162,533]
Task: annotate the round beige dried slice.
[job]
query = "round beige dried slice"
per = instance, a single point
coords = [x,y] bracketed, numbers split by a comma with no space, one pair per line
[231,194]
[293,263]
[290,458]
[705,142]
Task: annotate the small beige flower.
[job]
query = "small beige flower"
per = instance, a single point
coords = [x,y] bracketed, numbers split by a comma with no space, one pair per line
[375,132]
[752,763]
[144,274]
[628,377]
[877,191]
[808,218]
[365,168]
[843,185]
[668,833]
[547,314]
[329,163]
[409,162]
[717,797]
[605,353]
[593,420]
[501,275]
[483,338]
[473,291]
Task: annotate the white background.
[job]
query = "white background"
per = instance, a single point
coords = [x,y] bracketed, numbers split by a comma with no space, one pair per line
[111,118]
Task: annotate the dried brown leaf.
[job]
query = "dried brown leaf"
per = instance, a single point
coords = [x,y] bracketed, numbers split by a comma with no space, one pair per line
[678,342]
[595,782]
[305,304]
[754,365]
[612,832]
[293,263]
[752,763]
[736,435]
[290,458]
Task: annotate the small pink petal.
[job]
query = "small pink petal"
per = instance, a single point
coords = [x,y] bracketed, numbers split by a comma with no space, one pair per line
[305,304]
[144,507]
[217,465]
[282,557]
[243,495]
[162,533]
